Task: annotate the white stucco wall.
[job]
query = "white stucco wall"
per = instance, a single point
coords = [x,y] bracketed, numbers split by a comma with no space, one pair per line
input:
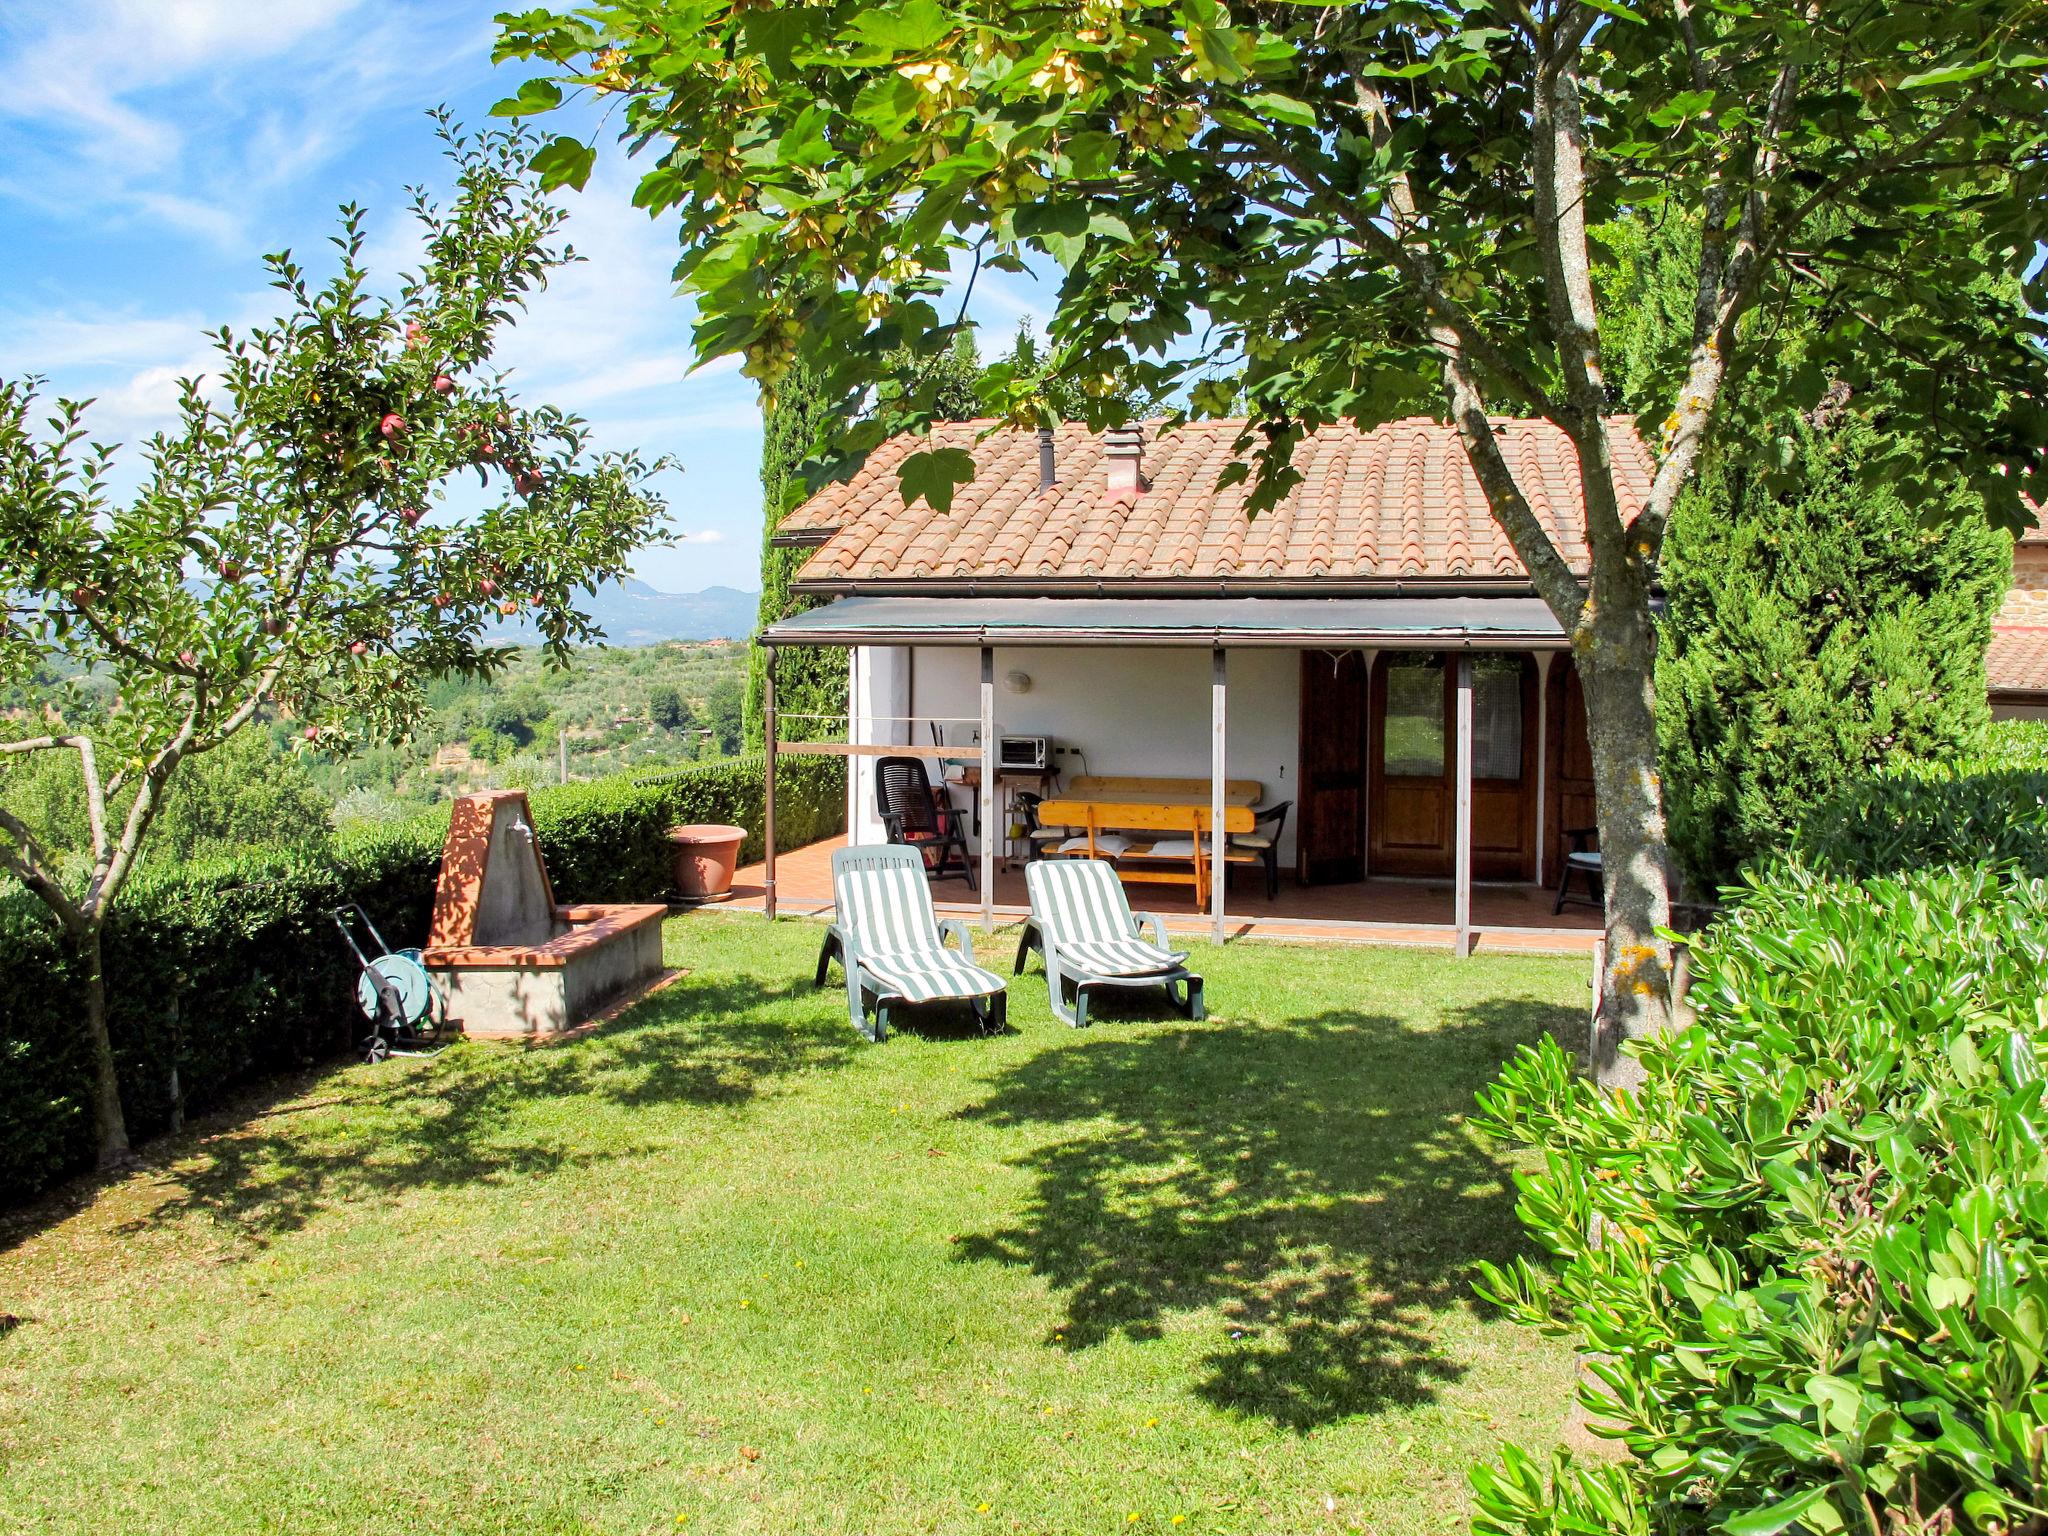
[878,681]
[1139,710]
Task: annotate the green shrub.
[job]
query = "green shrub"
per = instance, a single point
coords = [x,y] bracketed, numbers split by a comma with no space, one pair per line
[1984,807]
[218,974]
[225,972]
[1818,1297]
[2018,743]
[603,839]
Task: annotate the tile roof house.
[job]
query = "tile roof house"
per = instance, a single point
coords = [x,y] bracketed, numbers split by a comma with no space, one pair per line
[1369,652]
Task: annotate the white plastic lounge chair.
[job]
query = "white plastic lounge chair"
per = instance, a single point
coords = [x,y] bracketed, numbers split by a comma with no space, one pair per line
[893,947]
[1084,928]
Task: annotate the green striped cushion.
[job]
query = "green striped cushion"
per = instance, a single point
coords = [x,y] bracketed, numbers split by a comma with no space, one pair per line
[886,905]
[922,977]
[1121,957]
[1081,906]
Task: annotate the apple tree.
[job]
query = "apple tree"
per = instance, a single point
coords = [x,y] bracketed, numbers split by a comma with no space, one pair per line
[1300,212]
[289,549]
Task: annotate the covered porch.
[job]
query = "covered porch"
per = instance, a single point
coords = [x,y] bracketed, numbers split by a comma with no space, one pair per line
[1506,919]
[1424,754]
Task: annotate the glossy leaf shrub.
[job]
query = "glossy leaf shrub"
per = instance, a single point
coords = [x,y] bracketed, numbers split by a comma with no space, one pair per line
[1816,1300]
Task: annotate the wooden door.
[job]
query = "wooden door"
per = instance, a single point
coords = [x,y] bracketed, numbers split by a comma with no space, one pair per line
[1503,766]
[1413,810]
[1571,802]
[1330,833]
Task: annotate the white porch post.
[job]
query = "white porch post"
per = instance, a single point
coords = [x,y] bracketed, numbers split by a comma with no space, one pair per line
[768,784]
[1543,660]
[1365,793]
[990,758]
[1462,901]
[1219,869]
[855,655]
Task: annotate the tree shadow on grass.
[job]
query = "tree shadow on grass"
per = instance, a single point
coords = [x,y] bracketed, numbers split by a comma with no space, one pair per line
[1313,1181]
[458,1120]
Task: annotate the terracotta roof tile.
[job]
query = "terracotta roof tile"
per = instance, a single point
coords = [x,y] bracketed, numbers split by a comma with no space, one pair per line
[1399,501]
[2018,662]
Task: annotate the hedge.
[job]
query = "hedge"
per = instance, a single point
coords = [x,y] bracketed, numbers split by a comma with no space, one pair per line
[1985,807]
[1808,1259]
[227,972]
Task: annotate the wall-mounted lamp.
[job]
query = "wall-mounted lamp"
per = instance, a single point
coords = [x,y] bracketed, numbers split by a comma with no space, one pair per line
[1016,682]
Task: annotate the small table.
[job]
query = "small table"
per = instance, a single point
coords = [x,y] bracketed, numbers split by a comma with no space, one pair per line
[1008,782]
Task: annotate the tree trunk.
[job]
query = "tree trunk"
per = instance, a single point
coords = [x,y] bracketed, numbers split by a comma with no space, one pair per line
[109,1125]
[1615,648]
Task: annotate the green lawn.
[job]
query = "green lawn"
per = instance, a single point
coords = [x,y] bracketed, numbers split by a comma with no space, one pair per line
[725,1267]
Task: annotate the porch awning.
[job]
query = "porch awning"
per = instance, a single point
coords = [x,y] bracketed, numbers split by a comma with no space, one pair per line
[1452,623]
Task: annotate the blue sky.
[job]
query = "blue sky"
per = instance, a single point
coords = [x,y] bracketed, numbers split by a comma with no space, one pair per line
[152,150]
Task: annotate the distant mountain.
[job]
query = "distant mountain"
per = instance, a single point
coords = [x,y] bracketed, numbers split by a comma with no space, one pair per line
[633,613]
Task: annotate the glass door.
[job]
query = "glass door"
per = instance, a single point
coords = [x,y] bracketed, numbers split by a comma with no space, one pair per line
[1412,808]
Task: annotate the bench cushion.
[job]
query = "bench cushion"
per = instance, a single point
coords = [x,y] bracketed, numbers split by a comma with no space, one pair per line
[1105,842]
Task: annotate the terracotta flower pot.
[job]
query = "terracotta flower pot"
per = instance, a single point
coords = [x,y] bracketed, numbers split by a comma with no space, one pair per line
[704,859]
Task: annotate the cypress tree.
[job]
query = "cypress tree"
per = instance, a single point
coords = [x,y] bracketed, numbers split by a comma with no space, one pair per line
[1817,626]
[1813,634]
[809,680]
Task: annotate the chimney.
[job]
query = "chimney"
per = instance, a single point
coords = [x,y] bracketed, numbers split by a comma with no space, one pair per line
[1123,451]
[1048,468]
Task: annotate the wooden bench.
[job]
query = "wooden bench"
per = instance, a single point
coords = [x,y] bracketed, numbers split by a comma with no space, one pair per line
[1131,789]
[1155,860]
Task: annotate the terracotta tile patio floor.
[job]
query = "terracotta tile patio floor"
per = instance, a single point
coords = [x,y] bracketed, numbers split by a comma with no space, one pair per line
[1505,918]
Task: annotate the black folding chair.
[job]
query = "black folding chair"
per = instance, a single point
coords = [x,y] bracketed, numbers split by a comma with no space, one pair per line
[915,817]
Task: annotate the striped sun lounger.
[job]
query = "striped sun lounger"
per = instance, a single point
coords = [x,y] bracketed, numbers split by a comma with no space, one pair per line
[1084,928]
[893,947]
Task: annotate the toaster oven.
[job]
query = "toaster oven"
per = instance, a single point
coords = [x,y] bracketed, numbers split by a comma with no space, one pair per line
[1032,754]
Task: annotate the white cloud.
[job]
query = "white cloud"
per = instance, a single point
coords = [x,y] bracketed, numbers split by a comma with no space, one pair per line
[190,113]
[78,67]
